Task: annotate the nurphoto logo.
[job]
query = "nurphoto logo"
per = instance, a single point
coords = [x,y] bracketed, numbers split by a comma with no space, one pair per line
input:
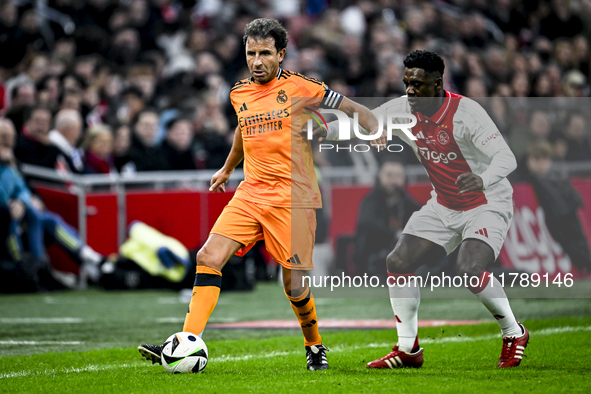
[345,126]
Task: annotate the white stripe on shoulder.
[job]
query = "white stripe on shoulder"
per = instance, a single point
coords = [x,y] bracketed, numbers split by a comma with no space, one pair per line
[328,98]
[448,95]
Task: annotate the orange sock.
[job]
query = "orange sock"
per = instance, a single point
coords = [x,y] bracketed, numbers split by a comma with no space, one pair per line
[305,310]
[206,292]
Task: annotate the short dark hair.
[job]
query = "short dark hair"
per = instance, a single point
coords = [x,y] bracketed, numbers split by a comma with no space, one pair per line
[148,110]
[426,60]
[29,111]
[264,27]
[133,91]
[15,88]
[79,79]
[170,124]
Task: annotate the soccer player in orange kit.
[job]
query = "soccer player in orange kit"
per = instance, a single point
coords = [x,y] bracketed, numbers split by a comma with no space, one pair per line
[278,197]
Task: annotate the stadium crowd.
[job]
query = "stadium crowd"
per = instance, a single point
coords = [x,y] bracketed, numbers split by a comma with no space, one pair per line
[136,85]
[105,86]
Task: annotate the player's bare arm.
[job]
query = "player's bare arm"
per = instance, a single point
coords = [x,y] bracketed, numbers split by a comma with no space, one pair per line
[219,179]
[367,120]
[469,182]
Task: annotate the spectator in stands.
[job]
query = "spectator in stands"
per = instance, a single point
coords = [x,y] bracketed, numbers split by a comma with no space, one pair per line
[133,104]
[71,99]
[582,54]
[40,223]
[98,150]
[65,137]
[389,80]
[475,88]
[49,91]
[560,21]
[382,215]
[560,202]
[30,28]
[21,99]
[542,86]
[33,145]
[23,94]
[37,67]
[12,51]
[213,137]
[575,84]
[143,76]
[178,143]
[72,82]
[121,146]
[538,129]
[14,195]
[125,47]
[5,219]
[573,144]
[491,48]
[144,153]
[17,273]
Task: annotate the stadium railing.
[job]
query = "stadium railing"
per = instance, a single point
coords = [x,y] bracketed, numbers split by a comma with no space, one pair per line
[120,184]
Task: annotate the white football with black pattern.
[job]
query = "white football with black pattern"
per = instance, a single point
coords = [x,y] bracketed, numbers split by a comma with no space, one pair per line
[184,352]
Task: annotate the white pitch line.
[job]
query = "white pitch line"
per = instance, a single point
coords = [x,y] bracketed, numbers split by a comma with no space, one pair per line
[341,348]
[169,300]
[90,368]
[226,358]
[176,319]
[170,320]
[40,320]
[65,300]
[41,343]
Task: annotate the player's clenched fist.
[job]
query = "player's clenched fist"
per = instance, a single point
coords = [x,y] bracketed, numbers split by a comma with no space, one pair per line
[317,132]
[218,181]
[381,141]
[469,182]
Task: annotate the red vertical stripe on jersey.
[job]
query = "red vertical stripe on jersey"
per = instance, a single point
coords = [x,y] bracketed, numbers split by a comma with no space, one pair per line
[443,159]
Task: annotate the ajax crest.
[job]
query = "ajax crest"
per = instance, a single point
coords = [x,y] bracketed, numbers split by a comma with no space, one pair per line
[443,137]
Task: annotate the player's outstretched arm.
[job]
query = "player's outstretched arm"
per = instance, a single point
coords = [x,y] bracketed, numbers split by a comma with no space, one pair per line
[219,179]
[367,119]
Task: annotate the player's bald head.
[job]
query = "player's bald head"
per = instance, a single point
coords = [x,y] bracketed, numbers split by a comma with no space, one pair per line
[67,118]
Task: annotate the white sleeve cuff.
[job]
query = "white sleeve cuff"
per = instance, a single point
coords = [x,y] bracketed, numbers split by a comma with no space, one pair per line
[485,180]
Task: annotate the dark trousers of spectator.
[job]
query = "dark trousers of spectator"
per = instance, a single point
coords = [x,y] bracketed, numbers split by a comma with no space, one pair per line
[4,232]
[567,231]
[44,223]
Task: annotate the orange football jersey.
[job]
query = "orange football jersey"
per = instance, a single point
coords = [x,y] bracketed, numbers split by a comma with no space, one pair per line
[278,166]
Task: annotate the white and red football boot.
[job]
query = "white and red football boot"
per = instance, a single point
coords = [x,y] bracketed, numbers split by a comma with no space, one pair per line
[513,348]
[398,359]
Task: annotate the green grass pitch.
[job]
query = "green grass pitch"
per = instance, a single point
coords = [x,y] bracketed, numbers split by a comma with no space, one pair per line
[85,342]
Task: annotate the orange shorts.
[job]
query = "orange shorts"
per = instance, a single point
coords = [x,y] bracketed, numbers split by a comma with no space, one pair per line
[289,233]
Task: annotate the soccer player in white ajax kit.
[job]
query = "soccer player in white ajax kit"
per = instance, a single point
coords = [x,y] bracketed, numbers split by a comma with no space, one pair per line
[467,161]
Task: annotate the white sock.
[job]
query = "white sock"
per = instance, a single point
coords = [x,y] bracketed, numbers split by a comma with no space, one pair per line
[87,254]
[405,301]
[493,297]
